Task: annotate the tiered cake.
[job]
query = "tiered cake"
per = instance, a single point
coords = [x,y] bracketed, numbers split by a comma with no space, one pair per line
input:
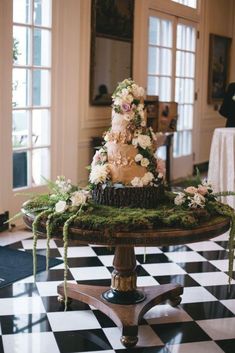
[125,171]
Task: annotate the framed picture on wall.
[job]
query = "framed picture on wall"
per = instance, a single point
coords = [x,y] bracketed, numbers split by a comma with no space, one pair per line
[219,57]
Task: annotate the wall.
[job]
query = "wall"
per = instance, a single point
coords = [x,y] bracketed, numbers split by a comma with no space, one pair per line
[216,16]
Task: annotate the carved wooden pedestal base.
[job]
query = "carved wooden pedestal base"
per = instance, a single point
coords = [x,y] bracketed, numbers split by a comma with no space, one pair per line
[123,302]
[125,316]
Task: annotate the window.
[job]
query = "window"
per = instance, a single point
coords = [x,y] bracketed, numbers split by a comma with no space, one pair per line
[189,3]
[31,86]
[171,73]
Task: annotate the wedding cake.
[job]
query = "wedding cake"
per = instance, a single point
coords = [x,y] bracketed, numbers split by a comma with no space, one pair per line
[125,171]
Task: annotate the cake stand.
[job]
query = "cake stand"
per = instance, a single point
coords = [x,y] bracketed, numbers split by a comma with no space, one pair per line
[123,302]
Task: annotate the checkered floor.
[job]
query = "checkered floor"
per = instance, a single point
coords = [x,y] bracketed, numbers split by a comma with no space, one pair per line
[32,321]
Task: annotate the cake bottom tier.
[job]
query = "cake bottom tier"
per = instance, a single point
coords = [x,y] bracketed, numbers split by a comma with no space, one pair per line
[135,197]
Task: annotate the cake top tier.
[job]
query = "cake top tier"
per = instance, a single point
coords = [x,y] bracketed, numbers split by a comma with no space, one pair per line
[128,101]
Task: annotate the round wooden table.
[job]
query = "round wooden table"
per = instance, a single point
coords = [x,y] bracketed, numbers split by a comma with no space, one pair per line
[123,302]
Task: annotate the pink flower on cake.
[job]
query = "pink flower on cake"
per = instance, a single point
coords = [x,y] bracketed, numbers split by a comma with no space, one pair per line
[99,174]
[126,107]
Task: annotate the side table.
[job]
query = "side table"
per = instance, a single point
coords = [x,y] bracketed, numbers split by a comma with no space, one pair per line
[123,302]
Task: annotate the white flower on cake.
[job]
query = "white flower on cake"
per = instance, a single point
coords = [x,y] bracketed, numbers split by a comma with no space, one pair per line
[61,206]
[233,97]
[147,178]
[138,157]
[99,174]
[161,168]
[79,197]
[144,162]
[144,141]
[137,182]
[99,157]
[179,199]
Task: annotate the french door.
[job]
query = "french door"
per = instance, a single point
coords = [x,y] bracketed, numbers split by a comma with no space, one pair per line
[171,76]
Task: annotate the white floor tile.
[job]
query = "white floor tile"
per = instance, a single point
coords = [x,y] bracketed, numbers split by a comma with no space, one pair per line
[205,246]
[162,314]
[41,244]
[230,304]
[24,305]
[146,337]
[196,295]
[73,320]
[219,329]
[7,238]
[222,265]
[195,347]
[185,256]
[42,342]
[78,251]
[146,281]
[163,269]
[87,273]
[211,278]
[107,260]
[222,237]
[49,289]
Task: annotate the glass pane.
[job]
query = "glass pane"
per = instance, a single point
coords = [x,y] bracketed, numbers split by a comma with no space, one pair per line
[165,89]
[22,11]
[190,3]
[21,45]
[154,31]
[20,129]
[184,90]
[185,64]
[185,117]
[153,85]
[42,45]
[154,60]
[42,12]
[40,127]
[40,165]
[41,87]
[165,67]
[20,87]
[20,169]
[166,33]
[185,38]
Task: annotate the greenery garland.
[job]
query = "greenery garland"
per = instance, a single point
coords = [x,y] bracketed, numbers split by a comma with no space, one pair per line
[68,205]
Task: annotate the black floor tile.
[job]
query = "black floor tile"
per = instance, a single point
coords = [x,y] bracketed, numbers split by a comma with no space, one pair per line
[51,304]
[24,323]
[194,267]
[103,250]
[184,280]
[181,332]
[152,258]
[228,346]
[82,341]
[84,261]
[223,291]
[19,290]
[214,254]
[207,310]
[53,275]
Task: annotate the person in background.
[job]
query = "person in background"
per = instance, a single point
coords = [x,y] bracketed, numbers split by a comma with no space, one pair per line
[227,108]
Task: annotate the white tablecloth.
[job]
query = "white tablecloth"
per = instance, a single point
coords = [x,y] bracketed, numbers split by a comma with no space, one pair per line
[221,173]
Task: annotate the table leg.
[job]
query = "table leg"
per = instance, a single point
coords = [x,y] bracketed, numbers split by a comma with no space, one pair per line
[123,303]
